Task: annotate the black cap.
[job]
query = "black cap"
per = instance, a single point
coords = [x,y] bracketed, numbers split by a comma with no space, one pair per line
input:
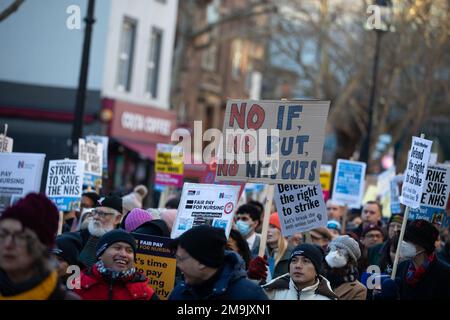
[111,201]
[310,251]
[205,244]
[422,233]
[68,247]
[155,227]
[114,236]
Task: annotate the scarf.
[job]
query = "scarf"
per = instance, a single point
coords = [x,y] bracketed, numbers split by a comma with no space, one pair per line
[336,280]
[413,275]
[109,274]
[42,291]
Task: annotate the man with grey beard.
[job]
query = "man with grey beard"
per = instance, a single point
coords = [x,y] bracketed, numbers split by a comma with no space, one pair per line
[105,217]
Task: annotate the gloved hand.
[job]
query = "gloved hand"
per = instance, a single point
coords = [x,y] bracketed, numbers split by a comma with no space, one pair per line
[257,268]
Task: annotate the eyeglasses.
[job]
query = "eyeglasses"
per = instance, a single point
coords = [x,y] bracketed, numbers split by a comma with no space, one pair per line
[19,238]
[101,214]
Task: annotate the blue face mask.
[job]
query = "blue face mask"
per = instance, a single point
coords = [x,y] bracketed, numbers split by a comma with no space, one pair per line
[243,227]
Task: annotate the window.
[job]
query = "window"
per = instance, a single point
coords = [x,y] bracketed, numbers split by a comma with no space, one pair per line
[209,58]
[126,51]
[236,58]
[153,63]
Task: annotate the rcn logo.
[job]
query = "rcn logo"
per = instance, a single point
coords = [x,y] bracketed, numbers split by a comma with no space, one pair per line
[21,164]
[221,195]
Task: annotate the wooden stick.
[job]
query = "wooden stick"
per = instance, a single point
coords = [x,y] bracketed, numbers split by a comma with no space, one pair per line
[400,239]
[265,226]
[60,223]
[402,234]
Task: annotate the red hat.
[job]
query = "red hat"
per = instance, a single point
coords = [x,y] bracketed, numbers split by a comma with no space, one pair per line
[275,220]
[37,213]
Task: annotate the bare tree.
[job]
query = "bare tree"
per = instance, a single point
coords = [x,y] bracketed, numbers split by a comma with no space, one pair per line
[10,9]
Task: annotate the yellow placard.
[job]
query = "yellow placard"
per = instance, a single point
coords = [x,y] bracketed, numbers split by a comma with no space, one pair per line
[325,180]
[166,162]
[160,271]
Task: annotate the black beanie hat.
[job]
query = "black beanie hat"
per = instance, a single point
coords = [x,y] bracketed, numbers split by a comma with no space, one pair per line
[111,201]
[310,251]
[68,247]
[205,244]
[422,233]
[114,236]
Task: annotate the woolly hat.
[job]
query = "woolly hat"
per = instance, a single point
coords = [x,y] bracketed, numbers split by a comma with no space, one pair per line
[348,244]
[333,224]
[205,244]
[310,251]
[111,201]
[396,218]
[37,213]
[136,218]
[275,220]
[68,247]
[114,236]
[422,233]
[156,227]
[134,199]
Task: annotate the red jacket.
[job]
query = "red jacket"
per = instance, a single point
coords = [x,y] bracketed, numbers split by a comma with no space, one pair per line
[95,287]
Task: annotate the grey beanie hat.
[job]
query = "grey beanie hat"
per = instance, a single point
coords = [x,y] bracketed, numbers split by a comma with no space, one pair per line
[348,244]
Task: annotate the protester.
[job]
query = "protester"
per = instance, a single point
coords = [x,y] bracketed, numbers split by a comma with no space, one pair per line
[421,276]
[210,272]
[371,236]
[334,211]
[258,205]
[278,252]
[135,218]
[371,215]
[105,217]
[172,203]
[303,280]
[248,218]
[113,276]
[321,237]
[444,253]
[67,253]
[169,216]
[334,227]
[342,271]
[376,251]
[237,243]
[89,200]
[134,199]
[295,240]
[155,227]
[27,234]
[86,217]
[386,261]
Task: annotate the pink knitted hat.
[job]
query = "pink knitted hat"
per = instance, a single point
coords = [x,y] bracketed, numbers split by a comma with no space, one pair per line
[136,218]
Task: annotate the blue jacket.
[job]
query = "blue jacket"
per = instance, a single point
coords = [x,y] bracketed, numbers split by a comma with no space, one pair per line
[232,284]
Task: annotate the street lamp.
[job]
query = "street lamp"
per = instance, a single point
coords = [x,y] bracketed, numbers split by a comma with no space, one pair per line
[77,129]
[384,6]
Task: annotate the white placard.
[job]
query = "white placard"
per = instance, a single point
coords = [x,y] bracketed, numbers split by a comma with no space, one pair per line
[91,153]
[20,174]
[209,204]
[300,208]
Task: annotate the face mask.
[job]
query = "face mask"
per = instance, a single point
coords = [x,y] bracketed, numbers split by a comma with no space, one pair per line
[336,260]
[407,250]
[243,227]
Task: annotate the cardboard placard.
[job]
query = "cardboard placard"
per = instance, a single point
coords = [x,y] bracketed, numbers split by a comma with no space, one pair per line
[272,141]
[91,153]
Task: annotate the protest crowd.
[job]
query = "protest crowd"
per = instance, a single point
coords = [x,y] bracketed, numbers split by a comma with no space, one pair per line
[212,243]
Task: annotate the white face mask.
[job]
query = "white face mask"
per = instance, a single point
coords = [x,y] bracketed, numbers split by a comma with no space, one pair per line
[407,250]
[335,259]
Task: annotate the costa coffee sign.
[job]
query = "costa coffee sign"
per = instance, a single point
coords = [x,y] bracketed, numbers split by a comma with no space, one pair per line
[142,124]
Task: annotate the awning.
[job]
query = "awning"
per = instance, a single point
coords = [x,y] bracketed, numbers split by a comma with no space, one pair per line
[146,150]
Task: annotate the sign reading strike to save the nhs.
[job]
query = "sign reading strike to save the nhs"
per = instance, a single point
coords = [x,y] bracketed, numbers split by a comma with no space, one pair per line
[272,141]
